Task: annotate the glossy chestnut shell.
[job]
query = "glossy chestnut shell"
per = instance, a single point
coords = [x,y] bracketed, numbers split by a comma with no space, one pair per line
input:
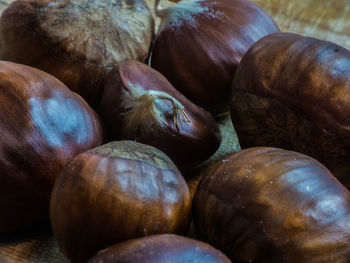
[200,43]
[293,92]
[138,103]
[77,41]
[271,205]
[116,192]
[43,125]
[160,249]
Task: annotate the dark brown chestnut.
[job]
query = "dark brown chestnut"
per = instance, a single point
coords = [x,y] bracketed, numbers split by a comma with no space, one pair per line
[271,205]
[77,41]
[43,125]
[200,43]
[160,249]
[138,103]
[293,92]
[116,192]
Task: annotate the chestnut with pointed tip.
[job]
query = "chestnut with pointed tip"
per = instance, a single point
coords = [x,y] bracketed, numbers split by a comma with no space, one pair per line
[160,249]
[43,125]
[293,92]
[77,41]
[116,192]
[271,205]
[200,43]
[138,103]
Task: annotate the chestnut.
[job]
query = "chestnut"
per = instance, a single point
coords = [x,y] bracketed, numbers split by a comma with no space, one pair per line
[77,41]
[116,192]
[43,125]
[160,249]
[293,92]
[271,205]
[139,103]
[200,43]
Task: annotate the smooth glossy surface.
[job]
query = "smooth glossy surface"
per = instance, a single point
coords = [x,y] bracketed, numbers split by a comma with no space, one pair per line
[138,103]
[116,192]
[293,92]
[271,205]
[77,41]
[160,249]
[43,125]
[200,43]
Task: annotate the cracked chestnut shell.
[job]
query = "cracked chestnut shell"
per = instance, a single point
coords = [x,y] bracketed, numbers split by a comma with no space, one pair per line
[138,103]
[160,249]
[200,43]
[43,125]
[77,41]
[116,192]
[293,92]
[271,205]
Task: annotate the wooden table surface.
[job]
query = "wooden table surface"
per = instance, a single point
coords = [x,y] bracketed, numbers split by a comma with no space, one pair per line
[324,19]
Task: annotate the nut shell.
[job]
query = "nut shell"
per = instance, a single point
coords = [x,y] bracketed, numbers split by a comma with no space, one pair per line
[116,192]
[53,36]
[129,115]
[296,96]
[271,205]
[160,249]
[200,43]
[43,125]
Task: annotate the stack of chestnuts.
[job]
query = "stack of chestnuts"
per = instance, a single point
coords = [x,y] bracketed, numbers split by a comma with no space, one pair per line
[102,118]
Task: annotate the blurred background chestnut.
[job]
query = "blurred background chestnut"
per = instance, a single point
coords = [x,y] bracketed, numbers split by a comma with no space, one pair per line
[43,125]
[138,103]
[293,92]
[77,41]
[160,249]
[116,192]
[200,43]
[271,205]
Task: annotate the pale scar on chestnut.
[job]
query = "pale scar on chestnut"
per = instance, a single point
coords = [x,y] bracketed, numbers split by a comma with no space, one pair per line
[135,151]
[144,113]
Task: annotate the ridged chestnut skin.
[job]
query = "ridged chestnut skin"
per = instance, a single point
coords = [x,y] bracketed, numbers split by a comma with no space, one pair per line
[77,41]
[164,248]
[293,92]
[128,115]
[116,192]
[200,43]
[271,205]
[43,125]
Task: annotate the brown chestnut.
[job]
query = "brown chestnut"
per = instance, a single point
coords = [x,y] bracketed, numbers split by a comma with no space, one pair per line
[139,103]
[293,92]
[160,249]
[200,43]
[115,192]
[43,125]
[77,41]
[271,205]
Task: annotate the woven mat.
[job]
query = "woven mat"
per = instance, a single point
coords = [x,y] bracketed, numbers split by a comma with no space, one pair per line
[328,20]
